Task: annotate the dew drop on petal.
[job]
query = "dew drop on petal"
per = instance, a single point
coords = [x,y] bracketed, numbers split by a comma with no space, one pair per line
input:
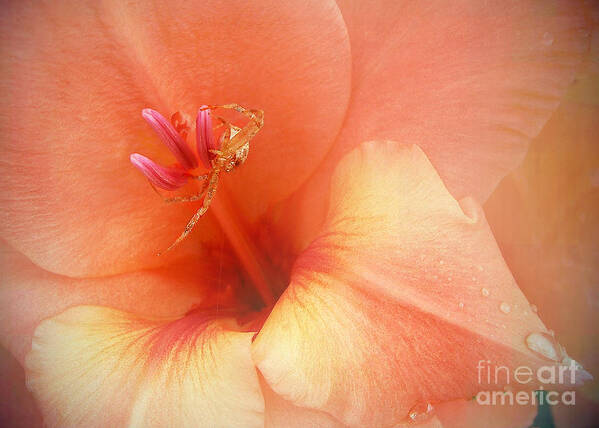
[547,39]
[421,412]
[485,292]
[542,344]
[505,307]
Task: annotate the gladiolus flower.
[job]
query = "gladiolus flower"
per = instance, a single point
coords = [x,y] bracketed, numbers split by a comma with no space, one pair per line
[387,285]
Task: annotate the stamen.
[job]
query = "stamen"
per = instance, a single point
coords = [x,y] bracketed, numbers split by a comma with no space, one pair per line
[167,178]
[246,252]
[171,138]
[204,136]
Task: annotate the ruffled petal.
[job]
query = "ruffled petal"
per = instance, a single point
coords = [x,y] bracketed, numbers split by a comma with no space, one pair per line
[397,301]
[77,74]
[96,367]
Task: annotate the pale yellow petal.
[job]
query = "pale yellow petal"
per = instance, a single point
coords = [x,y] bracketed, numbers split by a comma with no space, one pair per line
[98,367]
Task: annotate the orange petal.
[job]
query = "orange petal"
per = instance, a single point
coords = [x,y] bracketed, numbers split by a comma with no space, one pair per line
[96,367]
[77,76]
[388,308]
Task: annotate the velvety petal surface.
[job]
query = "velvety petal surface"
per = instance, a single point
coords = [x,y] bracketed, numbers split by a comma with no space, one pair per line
[396,301]
[470,414]
[76,76]
[96,367]
[282,413]
[29,294]
[470,82]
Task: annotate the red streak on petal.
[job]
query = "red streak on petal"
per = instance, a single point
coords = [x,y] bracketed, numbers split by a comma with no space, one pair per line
[171,138]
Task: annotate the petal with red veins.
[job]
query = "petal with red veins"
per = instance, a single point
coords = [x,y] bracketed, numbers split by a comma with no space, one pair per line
[77,74]
[385,309]
[95,367]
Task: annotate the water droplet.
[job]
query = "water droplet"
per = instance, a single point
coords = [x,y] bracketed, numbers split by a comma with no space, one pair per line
[441,262]
[485,292]
[421,412]
[461,305]
[449,279]
[547,39]
[534,308]
[505,307]
[542,344]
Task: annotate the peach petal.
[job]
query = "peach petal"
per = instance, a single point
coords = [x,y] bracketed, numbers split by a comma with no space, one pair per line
[96,367]
[470,414]
[29,294]
[470,82]
[553,239]
[70,117]
[473,83]
[386,309]
[281,413]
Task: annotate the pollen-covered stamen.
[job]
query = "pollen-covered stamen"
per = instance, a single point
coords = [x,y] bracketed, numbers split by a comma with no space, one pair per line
[167,178]
[205,136]
[169,136]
